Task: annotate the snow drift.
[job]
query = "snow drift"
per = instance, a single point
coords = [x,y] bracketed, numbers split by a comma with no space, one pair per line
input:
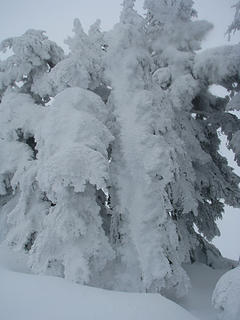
[27,297]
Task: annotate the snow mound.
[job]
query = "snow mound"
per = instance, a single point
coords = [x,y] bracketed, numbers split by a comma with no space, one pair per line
[203,281]
[225,297]
[27,297]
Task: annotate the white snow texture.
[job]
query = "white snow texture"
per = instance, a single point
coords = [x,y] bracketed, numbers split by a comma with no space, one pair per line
[110,171]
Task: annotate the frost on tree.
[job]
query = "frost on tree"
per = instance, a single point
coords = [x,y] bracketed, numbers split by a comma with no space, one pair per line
[174,176]
[235,25]
[221,66]
[33,55]
[118,182]
[225,297]
[73,165]
[82,67]
[54,162]
[49,188]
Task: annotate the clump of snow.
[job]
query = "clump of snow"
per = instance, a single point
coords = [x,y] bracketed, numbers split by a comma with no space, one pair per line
[218,65]
[162,76]
[226,296]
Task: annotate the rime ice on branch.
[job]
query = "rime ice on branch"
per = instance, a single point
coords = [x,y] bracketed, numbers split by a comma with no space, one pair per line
[109,168]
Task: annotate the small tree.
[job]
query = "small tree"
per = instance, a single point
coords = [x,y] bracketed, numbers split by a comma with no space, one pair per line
[235,25]
[82,67]
[53,162]
[33,55]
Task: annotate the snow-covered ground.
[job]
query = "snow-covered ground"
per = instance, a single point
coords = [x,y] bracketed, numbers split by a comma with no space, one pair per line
[203,280]
[26,297]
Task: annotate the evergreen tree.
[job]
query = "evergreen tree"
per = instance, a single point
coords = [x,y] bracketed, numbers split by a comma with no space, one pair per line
[72,166]
[53,165]
[235,25]
[22,209]
[33,55]
[118,181]
[202,177]
[82,67]
[172,178]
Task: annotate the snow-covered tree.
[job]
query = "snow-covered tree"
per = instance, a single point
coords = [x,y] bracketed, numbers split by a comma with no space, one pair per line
[235,25]
[118,182]
[72,166]
[21,206]
[49,184]
[173,177]
[54,163]
[82,67]
[221,66]
[31,56]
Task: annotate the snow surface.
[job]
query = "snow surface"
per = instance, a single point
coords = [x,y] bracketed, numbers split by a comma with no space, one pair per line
[27,297]
[24,296]
[226,295]
[198,300]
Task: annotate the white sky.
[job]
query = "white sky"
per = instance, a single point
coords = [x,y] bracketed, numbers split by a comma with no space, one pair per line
[56,17]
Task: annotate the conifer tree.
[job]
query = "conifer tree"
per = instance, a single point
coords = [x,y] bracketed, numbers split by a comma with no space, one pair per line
[53,165]
[33,55]
[110,174]
[22,209]
[174,178]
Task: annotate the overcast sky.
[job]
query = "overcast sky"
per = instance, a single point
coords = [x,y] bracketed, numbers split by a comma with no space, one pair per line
[56,17]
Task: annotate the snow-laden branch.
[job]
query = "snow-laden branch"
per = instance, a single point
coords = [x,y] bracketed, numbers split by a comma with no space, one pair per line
[219,65]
